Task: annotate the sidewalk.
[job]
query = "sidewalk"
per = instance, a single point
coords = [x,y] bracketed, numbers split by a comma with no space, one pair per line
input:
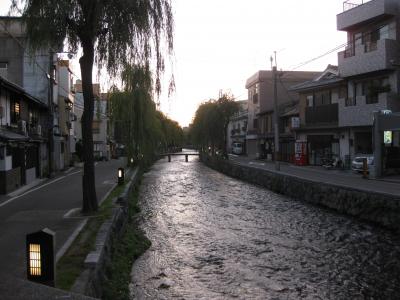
[317,174]
[17,289]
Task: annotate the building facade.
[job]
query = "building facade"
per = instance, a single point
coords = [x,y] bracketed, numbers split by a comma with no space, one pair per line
[260,86]
[319,126]
[370,64]
[237,127]
[25,98]
[100,120]
[23,151]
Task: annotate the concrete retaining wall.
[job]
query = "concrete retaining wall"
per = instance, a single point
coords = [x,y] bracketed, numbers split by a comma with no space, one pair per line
[379,208]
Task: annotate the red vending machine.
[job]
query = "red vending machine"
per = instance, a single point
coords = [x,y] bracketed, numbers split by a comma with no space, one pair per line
[300,153]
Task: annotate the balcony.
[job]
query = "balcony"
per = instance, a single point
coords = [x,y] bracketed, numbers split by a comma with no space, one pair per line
[359,12]
[361,114]
[322,115]
[365,58]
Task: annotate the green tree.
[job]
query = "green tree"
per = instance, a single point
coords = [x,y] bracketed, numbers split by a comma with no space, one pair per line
[146,131]
[110,32]
[210,124]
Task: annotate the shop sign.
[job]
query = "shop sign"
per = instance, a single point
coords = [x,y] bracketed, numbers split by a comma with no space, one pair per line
[387,137]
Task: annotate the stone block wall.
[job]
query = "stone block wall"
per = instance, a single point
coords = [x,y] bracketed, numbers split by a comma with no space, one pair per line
[383,209]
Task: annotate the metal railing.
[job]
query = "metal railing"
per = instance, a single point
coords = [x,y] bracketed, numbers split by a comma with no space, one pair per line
[349,4]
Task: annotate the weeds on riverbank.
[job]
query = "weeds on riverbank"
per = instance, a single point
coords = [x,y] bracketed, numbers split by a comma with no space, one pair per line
[130,246]
[71,265]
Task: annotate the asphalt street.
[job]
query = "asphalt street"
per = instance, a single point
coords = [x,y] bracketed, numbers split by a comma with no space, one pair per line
[46,206]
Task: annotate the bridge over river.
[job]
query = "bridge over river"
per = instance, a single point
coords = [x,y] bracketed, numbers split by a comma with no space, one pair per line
[214,237]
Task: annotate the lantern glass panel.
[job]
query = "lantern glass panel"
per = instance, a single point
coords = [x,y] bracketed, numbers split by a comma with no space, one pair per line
[35,260]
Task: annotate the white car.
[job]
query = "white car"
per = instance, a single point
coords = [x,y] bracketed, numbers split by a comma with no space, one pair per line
[237,148]
[357,163]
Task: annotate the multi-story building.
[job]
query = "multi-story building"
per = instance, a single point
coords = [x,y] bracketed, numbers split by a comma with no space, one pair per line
[100,120]
[237,127]
[319,116]
[64,118]
[260,137]
[371,66]
[23,155]
[24,110]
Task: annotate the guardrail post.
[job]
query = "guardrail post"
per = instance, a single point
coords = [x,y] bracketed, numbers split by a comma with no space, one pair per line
[186,158]
[169,158]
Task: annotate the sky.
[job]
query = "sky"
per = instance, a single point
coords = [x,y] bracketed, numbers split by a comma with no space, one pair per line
[218,44]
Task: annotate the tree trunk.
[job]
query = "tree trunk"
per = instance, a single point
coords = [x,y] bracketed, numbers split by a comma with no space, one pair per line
[225,141]
[88,181]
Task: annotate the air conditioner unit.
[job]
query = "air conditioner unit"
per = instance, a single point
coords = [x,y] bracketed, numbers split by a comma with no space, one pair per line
[39,130]
[22,127]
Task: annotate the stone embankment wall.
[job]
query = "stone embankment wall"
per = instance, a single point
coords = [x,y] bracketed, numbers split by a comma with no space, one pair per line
[383,209]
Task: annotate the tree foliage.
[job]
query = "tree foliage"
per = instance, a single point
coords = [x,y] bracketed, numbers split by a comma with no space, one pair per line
[145,131]
[210,124]
[112,33]
[120,30]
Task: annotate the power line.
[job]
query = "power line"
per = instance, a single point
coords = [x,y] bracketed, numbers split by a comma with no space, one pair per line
[347,44]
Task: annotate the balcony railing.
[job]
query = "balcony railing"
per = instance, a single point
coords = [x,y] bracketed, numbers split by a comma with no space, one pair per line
[349,4]
[324,114]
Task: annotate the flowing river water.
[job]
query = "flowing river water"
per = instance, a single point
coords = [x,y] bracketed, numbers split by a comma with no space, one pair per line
[214,237]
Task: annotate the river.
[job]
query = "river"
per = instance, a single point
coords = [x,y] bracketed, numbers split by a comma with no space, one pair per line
[214,237]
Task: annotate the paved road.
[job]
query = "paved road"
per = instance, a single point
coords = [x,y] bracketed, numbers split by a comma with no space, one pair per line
[319,174]
[45,206]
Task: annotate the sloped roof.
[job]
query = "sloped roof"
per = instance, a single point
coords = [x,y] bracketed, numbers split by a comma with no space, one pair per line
[292,111]
[330,76]
[17,89]
[12,136]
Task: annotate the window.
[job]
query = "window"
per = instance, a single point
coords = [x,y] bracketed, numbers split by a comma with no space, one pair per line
[3,69]
[270,123]
[384,32]
[14,110]
[371,89]
[370,39]
[96,127]
[33,117]
[255,93]
[255,123]
[310,100]
[350,101]
[343,92]
[322,98]
[374,87]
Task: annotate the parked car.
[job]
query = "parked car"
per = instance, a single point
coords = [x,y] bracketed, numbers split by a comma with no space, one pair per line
[237,148]
[357,163]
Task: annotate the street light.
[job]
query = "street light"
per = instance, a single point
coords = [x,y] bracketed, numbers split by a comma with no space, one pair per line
[121,176]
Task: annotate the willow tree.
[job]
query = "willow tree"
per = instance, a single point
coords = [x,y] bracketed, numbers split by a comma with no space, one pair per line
[133,110]
[210,124]
[110,33]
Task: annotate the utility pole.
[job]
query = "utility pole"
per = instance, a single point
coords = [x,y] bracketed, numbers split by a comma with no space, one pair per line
[276,118]
[50,121]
